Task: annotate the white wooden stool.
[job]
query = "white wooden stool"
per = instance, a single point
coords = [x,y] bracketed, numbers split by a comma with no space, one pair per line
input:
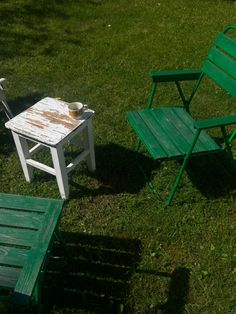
[48,124]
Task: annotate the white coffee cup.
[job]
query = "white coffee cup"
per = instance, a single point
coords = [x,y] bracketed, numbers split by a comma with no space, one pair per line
[76,109]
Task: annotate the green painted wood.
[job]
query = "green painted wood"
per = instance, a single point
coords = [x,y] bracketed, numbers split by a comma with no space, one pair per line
[9,276]
[217,122]
[17,236]
[223,61]
[143,132]
[169,132]
[220,77]
[13,256]
[227,44]
[27,225]
[179,75]
[17,218]
[26,203]
[38,254]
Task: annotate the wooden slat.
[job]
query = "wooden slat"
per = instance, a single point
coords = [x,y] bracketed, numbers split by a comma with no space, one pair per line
[37,255]
[223,61]
[204,143]
[144,133]
[169,132]
[220,77]
[27,203]
[18,218]
[10,255]
[227,44]
[157,127]
[9,276]
[16,236]
[177,128]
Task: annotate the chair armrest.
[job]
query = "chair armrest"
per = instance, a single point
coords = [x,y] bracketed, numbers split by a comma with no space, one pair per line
[216,122]
[173,76]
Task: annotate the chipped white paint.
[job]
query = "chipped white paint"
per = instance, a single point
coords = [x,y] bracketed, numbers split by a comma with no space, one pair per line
[47,121]
[48,124]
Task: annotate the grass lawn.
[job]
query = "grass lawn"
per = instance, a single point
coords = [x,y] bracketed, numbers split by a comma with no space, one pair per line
[131,254]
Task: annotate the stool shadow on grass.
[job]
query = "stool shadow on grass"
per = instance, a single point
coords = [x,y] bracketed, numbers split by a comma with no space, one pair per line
[117,171]
[99,280]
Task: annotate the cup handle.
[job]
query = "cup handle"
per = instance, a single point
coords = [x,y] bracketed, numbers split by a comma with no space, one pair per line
[85,107]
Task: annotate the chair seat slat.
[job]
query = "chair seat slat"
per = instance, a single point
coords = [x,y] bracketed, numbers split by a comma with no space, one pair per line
[169,132]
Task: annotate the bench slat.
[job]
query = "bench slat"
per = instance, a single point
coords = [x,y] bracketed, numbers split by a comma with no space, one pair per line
[16,218]
[13,256]
[26,203]
[38,253]
[17,236]
[9,276]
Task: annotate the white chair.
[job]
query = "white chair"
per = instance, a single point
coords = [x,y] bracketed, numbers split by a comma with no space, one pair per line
[3,100]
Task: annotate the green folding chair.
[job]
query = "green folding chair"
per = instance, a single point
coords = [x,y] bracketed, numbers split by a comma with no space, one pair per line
[28,228]
[171,132]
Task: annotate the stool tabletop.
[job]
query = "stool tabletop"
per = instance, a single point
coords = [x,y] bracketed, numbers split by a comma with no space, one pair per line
[47,121]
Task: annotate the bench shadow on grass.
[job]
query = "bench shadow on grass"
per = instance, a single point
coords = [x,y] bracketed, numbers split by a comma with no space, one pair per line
[100,278]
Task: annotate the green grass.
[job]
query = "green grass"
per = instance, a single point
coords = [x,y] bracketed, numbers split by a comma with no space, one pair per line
[132,255]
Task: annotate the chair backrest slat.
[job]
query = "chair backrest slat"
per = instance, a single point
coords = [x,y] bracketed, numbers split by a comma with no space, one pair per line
[226,44]
[220,77]
[219,58]
[220,64]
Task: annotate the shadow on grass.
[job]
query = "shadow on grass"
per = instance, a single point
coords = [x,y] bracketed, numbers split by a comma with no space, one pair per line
[17,105]
[99,280]
[30,23]
[117,171]
[213,175]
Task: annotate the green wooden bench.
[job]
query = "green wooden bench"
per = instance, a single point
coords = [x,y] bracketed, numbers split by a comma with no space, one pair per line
[28,227]
[171,132]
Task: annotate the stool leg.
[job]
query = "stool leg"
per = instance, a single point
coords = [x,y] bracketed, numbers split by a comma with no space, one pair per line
[23,153]
[89,144]
[60,170]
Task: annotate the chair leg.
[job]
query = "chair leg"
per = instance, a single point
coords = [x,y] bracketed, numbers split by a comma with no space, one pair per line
[179,176]
[148,181]
[228,146]
[60,170]
[63,244]
[23,153]
[89,144]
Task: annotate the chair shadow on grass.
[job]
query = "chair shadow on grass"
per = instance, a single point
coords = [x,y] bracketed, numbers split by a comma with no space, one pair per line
[213,175]
[117,171]
[99,279]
